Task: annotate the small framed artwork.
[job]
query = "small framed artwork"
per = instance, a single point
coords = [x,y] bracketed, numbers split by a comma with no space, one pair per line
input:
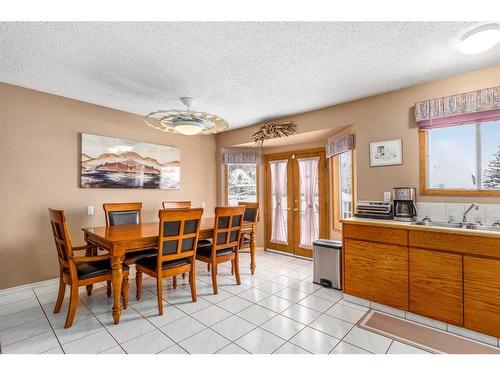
[385,153]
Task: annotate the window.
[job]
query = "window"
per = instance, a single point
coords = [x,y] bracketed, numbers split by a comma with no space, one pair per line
[241,183]
[461,159]
[343,188]
[345,185]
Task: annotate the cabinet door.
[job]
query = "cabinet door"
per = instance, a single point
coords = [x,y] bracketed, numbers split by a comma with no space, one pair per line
[482,295]
[436,285]
[377,272]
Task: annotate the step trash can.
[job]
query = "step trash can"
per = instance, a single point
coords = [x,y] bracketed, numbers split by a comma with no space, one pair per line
[327,258]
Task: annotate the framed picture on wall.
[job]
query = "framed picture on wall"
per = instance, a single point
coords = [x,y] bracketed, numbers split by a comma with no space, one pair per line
[386,153]
[108,162]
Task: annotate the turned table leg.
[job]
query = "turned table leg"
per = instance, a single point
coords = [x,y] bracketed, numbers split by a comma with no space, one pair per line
[117,275]
[252,249]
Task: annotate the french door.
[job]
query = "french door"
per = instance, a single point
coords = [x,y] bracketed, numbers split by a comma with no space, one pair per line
[296,211]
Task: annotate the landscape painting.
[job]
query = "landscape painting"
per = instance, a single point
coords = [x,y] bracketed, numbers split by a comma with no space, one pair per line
[108,162]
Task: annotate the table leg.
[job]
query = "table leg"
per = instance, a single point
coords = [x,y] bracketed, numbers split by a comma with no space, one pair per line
[252,250]
[116,266]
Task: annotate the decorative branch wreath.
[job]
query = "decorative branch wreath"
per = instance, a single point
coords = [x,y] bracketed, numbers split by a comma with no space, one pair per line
[272,130]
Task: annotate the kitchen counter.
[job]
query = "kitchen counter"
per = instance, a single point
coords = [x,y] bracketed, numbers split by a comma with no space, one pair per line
[410,226]
[447,274]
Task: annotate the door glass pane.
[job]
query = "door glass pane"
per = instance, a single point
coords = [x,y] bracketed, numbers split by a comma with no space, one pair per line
[345,185]
[279,201]
[241,183]
[452,157]
[490,155]
[309,201]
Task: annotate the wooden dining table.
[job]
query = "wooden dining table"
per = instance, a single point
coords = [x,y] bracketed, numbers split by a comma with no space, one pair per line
[121,239]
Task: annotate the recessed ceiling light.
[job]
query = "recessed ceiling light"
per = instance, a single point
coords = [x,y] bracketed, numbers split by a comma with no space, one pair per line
[480,39]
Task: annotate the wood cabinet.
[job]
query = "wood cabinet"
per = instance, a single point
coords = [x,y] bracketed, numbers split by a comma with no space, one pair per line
[436,288]
[377,272]
[482,295]
[451,276]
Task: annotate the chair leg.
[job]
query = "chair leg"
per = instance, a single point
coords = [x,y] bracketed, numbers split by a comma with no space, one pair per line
[60,295]
[73,302]
[175,282]
[89,289]
[232,267]
[192,285]
[159,291]
[208,267]
[125,291]
[108,288]
[214,277]
[138,284]
[183,276]
[236,263]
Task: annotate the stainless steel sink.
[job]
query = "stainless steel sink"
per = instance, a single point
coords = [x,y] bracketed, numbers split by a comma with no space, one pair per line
[471,226]
[440,224]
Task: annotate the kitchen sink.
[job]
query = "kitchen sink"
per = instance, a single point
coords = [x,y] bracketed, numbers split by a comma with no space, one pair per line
[440,224]
[471,226]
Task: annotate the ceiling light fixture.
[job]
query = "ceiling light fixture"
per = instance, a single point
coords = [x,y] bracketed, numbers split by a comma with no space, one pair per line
[186,122]
[480,39]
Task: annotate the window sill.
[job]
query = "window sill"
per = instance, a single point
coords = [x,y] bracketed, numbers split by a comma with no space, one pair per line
[460,192]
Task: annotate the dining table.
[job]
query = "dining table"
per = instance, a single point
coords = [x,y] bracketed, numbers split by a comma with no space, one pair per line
[120,239]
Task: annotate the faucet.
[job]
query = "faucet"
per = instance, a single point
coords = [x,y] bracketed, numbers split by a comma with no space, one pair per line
[473,205]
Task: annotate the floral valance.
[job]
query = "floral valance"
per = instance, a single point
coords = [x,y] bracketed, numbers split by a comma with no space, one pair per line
[465,107]
[239,156]
[340,145]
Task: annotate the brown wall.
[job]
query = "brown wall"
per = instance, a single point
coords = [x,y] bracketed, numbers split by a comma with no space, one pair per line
[39,154]
[381,117]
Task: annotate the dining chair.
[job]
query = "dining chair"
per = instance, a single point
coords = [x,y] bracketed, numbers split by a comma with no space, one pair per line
[176,254]
[176,204]
[226,241]
[77,271]
[123,214]
[251,215]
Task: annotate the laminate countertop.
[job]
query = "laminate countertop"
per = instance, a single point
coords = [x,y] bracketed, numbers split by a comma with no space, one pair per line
[410,226]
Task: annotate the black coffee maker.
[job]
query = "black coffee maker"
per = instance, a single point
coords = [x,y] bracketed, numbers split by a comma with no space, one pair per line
[404,203]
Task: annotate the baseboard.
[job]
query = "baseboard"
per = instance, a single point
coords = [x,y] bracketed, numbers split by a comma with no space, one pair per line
[28,286]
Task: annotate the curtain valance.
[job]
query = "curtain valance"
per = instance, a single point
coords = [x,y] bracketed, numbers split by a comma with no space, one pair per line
[241,156]
[340,145]
[479,105]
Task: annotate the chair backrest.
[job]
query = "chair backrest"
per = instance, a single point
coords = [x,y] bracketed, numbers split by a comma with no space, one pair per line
[227,227]
[61,236]
[176,204]
[123,213]
[179,230]
[251,211]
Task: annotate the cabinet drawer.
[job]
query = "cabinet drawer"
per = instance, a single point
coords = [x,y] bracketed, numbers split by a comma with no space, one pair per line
[394,236]
[436,285]
[482,295]
[376,272]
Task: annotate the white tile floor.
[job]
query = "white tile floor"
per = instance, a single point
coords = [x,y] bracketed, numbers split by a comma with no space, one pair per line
[278,310]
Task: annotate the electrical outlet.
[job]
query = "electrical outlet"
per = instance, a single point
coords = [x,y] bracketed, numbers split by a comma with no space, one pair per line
[387,196]
[90,210]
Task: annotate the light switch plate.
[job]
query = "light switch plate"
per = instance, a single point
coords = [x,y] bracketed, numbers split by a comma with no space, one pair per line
[387,196]
[90,210]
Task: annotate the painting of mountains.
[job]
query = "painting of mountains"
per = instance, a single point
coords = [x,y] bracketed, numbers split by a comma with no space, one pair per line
[108,162]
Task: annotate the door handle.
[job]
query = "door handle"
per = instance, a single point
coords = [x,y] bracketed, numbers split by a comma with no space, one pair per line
[295,209]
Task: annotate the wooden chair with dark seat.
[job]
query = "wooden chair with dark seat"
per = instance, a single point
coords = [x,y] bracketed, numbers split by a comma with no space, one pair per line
[79,271]
[176,204]
[176,254]
[123,214]
[251,215]
[225,244]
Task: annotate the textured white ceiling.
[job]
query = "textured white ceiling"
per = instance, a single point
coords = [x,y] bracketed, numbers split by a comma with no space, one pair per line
[246,72]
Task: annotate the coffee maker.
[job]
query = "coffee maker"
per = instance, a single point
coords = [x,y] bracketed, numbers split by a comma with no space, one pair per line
[404,203]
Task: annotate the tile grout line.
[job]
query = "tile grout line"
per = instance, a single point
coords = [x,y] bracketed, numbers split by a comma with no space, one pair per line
[50,324]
